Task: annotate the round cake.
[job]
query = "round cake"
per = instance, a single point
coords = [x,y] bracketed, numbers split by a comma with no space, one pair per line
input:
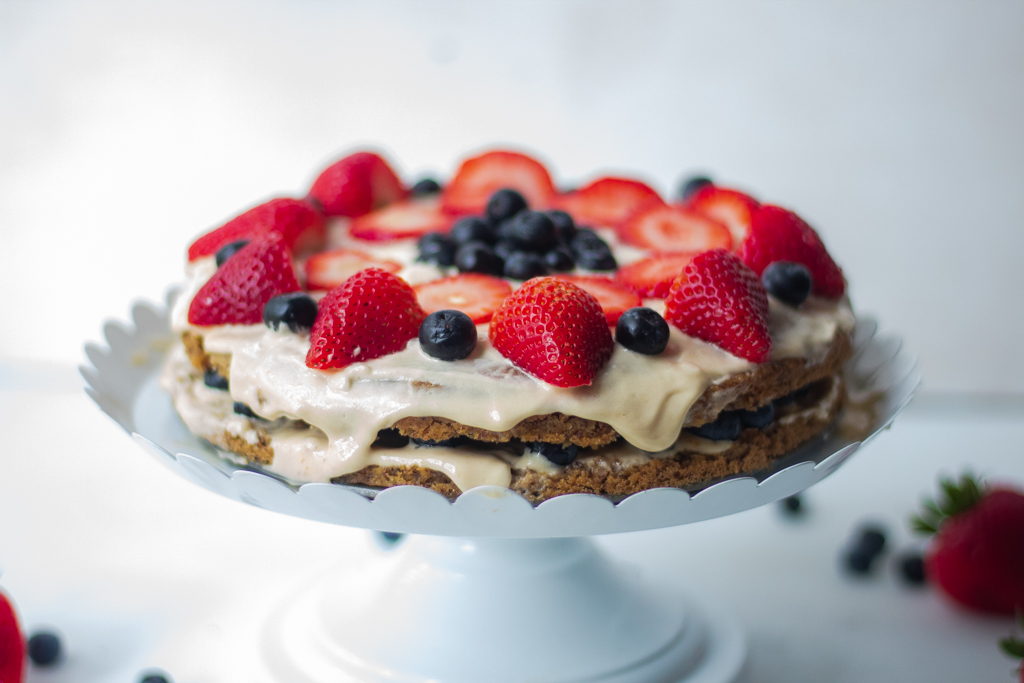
[496,330]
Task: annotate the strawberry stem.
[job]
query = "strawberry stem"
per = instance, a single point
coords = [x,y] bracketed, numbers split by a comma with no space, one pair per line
[957,496]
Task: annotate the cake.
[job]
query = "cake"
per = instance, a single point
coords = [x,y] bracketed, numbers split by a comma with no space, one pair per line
[498,331]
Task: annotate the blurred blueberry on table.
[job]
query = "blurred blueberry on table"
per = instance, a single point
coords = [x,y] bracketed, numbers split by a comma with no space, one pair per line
[692,185]
[44,648]
[867,545]
[155,678]
[911,568]
[788,282]
[504,204]
[425,187]
[793,506]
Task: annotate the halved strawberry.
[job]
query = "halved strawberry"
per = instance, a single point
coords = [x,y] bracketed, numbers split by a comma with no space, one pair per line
[671,228]
[356,185]
[607,201]
[731,208]
[328,269]
[614,298]
[296,220]
[12,644]
[478,178]
[652,276]
[411,218]
[476,295]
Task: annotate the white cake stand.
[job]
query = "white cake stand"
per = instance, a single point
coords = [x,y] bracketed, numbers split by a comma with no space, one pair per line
[489,589]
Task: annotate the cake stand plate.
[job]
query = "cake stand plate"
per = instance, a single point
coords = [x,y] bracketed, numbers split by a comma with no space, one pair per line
[493,588]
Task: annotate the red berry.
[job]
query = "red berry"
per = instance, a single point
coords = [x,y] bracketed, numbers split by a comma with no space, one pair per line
[411,218]
[613,298]
[730,208]
[780,235]
[328,269]
[553,330]
[12,644]
[357,185]
[671,228]
[720,300]
[296,220]
[372,314]
[652,276]
[478,178]
[476,295]
[608,201]
[238,291]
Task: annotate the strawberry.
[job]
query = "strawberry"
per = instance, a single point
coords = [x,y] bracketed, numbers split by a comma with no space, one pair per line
[731,208]
[1015,647]
[478,178]
[553,330]
[671,228]
[238,291]
[476,295]
[720,300]
[356,185]
[780,235]
[977,554]
[411,218]
[328,269]
[613,298]
[291,218]
[12,644]
[372,314]
[652,276]
[608,201]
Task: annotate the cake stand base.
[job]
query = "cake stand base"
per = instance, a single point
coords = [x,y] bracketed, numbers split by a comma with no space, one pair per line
[451,610]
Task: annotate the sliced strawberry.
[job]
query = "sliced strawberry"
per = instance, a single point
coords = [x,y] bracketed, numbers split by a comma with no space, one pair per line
[476,295]
[608,201]
[372,314]
[613,298]
[356,185]
[12,644]
[719,299]
[671,228]
[411,218]
[478,178]
[731,208]
[553,330]
[780,235]
[329,269]
[238,291]
[652,276]
[296,220]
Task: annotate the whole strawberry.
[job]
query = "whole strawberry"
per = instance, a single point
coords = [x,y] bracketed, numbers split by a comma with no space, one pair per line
[356,185]
[720,300]
[371,314]
[977,555]
[553,330]
[297,221]
[12,644]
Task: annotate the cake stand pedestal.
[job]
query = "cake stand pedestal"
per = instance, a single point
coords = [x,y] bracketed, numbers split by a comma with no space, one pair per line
[488,589]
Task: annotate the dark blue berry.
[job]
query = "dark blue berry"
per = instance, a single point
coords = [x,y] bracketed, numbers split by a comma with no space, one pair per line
[692,185]
[242,409]
[867,544]
[214,379]
[758,419]
[726,427]
[859,561]
[44,648]
[444,443]
[531,230]
[472,229]
[642,330]
[390,438]
[436,248]
[871,539]
[793,505]
[522,265]
[505,248]
[565,227]
[477,257]
[390,536]
[425,187]
[592,252]
[229,250]
[912,569]
[504,204]
[150,677]
[295,309]
[559,260]
[788,282]
[586,238]
[557,454]
[447,335]
[792,397]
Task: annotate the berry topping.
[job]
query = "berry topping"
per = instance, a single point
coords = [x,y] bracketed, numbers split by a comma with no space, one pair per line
[522,265]
[372,314]
[243,409]
[613,298]
[328,269]
[390,438]
[691,185]
[447,335]
[671,228]
[238,291]
[473,229]
[652,276]
[477,257]
[436,248]
[229,250]
[531,230]
[504,249]
[559,259]
[565,226]
[758,419]
[410,218]
[214,379]
[476,295]
[780,235]
[12,645]
[608,201]
[44,648]
[480,177]
[557,454]
[730,208]
[425,187]
[726,427]
[503,205]
[356,185]
[292,219]
[296,310]
[553,330]
[718,299]
[642,330]
[592,252]
[788,282]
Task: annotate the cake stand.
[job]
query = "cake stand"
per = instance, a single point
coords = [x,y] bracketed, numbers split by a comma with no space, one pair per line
[488,589]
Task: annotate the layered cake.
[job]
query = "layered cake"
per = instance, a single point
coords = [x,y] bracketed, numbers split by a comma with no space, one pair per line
[496,330]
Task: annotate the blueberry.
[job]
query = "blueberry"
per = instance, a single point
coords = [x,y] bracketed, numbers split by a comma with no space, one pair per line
[390,536]
[758,419]
[229,250]
[788,282]
[477,257]
[390,438]
[472,229]
[792,397]
[859,561]
[592,252]
[522,265]
[295,309]
[559,260]
[444,443]
[867,545]
[436,248]
[425,187]
[448,335]
[692,185]
[504,204]
[871,539]
[794,505]
[505,248]
[565,227]
[912,569]
[555,453]
[151,677]
[242,409]
[642,330]
[726,427]
[586,238]
[532,230]
[44,648]
[214,379]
